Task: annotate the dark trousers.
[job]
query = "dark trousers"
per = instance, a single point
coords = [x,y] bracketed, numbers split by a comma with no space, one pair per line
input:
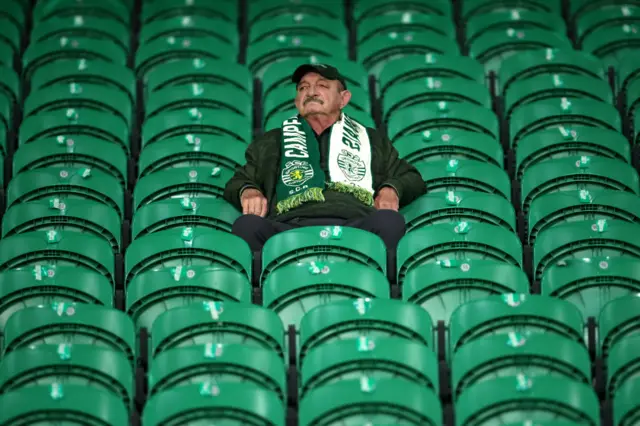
[387,224]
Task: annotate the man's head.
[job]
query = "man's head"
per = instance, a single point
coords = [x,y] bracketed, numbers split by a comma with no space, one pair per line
[320,90]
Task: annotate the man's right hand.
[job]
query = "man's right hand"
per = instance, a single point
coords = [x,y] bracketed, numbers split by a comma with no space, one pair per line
[253,202]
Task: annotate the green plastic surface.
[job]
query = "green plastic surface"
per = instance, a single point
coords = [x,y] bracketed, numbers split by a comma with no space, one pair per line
[518,19]
[617,320]
[111,9]
[371,8]
[91,27]
[298,24]
[407,22]
[258,11]
[613,44]
[625,406]
[192,27]
[622,364]
[477,7]
[164,9]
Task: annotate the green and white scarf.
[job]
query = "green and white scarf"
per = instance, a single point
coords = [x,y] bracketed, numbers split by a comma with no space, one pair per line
[301,177]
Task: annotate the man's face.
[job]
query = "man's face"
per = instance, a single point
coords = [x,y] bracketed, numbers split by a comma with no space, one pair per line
[315,95]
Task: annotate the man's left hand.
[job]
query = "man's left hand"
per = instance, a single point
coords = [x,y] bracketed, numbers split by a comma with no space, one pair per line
[387,199]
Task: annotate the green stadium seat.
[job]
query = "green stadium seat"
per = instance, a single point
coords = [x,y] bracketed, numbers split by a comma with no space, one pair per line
[6,55]
[491,48]
[372,318]
[527,399]
[50,51]
[418,67]
[378,50]
[622,364]
[262,54]
[66,364]
[6,115]
[111,9]
[151,293]
[10,84]
[441,287]
[613,44]
[197,246]
[323,244]
[435,145]
[406,22]
[585,239]
[203,121]
[443,115]
[166,9]
[261,10]
[66,183]
[11,34]
[16,14]
[618,320]
[441,242]
[168,49]
[388,401]
[217,322]
[45,284]
[507,313]
[531,354]
[70,323]
[628,70]
[379,358]
[477,7]
[464,175]
[606,17]
[626,409]
[214,213]
[575,174]
[71,215]
[368,9]
[577,8]
[275,121]
[85,71]
[90,27]
[228,403]
[190,27]
[183,72]
[532,63]
[60,403]
[294,289]
[451,90]
[455,206]
[569,206]
[570,141]
[299,24]
[218,363]
[632,99]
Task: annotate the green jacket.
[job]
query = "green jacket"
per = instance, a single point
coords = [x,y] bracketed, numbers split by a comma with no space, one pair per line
[262,170]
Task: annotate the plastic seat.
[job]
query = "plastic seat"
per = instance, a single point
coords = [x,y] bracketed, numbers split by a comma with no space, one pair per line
[441,287]
[70,323]
[6,55]
[217,362]
[13,11]
[323,244]
[275,121]
[52,50]
[443,115]
[53,9]
[453,207]
[435,145]
[158,10]
[366,10]
[60,403]
[451,90]
[66,183]
[569,206]
[85,71]
[298,24]
[584,239]
[10,85]
[570,141]
[163,50]
[565,62]
[81,216]
[478,7]
[464,175]
[295,289]
[520,313]
[90,27]
[625,405]
[579,8]
[531,354]
[202,121]
[45,284]
[606,17]
[377,51]
[406,22]
[618,320]
[632,100]
[227,403]
[11,35]
[217,322]
[259,11]
[628,70]
[371,318]
[191,27]
[613,44]
[184,72]
[527,399]
[622,365]
[66,364]
[575,174]
[385,401]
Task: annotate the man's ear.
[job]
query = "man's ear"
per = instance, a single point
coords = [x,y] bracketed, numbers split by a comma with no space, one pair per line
[346,97]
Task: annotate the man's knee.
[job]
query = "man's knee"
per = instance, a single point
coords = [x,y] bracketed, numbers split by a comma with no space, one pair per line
[389,221]
[248,225]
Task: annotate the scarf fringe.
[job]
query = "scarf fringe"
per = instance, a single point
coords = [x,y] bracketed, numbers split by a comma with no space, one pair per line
[362,195]
[311,194]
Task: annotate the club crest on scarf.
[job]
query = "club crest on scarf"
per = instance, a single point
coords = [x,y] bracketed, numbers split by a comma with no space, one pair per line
[351,165]
[296,173]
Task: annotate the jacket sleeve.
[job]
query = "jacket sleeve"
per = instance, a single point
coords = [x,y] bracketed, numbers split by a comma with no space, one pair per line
[399,174]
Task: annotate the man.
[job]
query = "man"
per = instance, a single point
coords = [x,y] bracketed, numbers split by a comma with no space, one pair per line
[322,168]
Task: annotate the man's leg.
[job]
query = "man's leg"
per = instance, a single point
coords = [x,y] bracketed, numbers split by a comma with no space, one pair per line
[256,230]
[388,225]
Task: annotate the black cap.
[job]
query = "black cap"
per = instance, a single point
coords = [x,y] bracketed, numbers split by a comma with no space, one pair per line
[327,71]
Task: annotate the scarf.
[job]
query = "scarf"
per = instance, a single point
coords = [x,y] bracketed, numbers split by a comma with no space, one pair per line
[301,177]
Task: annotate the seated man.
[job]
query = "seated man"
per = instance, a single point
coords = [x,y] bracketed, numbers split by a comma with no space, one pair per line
[322,168]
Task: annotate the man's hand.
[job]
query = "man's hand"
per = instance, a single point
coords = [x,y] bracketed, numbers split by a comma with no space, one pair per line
[253,202]
[387,199]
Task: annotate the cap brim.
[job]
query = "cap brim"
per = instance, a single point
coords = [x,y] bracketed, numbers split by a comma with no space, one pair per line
[303,70]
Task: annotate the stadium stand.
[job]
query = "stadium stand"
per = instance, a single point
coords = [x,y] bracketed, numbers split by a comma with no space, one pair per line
[125,299]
